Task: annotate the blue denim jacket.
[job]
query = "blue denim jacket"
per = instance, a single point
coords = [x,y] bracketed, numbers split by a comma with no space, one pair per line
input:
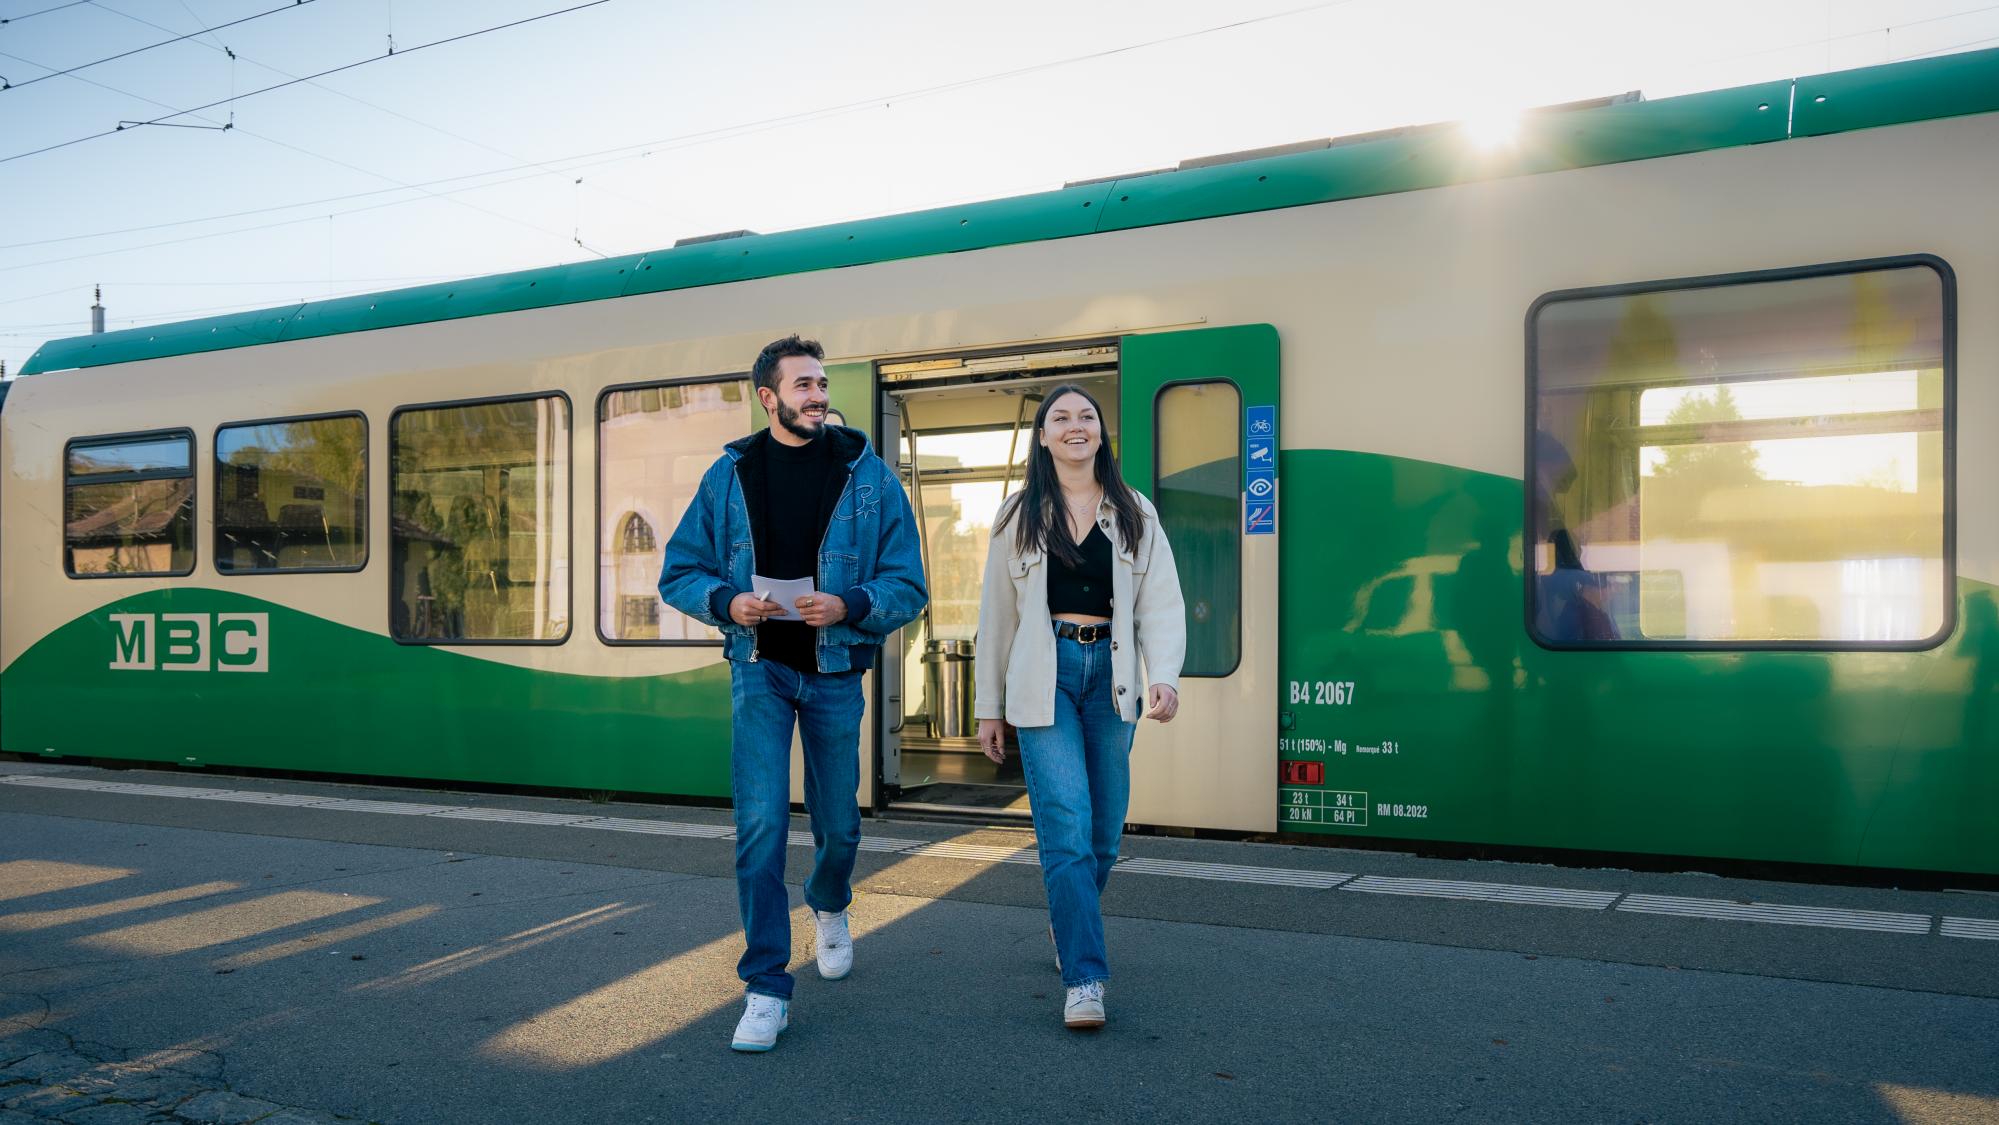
[870,556]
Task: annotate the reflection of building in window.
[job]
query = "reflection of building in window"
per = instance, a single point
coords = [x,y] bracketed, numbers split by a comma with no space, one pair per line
[128,506]
[654,445]
[638,563]
[638,538]
[1756,462]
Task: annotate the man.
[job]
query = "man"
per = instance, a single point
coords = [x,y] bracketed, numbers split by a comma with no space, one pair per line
[800,499]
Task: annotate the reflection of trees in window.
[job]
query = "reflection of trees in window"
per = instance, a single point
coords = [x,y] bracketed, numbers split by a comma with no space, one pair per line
[292,495]
[479,521]
[128,507]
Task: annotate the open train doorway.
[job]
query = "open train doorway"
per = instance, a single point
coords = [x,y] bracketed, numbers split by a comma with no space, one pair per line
[962,427]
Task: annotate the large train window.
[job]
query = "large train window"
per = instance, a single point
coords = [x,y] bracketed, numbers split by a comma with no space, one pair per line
[128,505]
[654,442]
[292,495]
[1758,461]
[1197,489]
[479,522]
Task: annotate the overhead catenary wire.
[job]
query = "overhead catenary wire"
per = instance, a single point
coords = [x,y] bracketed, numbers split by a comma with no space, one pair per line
[293,6]
[43,12]
[566,165]
[1861,34]
[401,184]
[307,78]
[235,57]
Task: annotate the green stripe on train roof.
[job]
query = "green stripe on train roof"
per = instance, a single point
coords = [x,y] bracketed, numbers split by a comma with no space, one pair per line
[1421,157]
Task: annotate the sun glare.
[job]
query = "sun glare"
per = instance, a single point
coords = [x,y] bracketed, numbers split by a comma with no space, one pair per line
[1493,129]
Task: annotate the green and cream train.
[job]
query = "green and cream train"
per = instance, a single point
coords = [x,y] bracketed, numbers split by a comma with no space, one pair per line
[1626,487]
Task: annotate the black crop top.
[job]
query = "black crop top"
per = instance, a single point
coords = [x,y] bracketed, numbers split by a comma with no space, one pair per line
[1084,589]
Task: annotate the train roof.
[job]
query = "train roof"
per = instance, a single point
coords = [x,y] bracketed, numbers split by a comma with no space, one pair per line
[1609,131]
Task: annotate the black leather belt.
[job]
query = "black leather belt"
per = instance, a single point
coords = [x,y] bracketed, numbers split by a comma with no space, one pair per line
[1087,634]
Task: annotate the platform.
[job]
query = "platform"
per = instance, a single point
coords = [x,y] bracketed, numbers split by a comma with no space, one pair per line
[233,948]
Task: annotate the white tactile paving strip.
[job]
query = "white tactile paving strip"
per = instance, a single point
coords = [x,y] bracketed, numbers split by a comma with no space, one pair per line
[1233,873]
[1775,914]
[1977,929]
[1483,892]
[1980,929]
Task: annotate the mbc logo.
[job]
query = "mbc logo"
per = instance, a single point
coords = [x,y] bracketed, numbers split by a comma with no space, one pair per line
[191,642]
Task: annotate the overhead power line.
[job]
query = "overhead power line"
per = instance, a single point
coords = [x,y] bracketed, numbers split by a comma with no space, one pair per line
[568,164]
[235,57]
[307,78]
[400,184]
[1824,40]
[295,4]
[43,12]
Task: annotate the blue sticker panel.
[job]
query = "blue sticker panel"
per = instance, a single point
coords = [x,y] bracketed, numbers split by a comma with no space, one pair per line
[1259,471]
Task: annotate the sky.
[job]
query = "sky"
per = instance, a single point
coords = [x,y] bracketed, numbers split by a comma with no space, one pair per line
[621,125]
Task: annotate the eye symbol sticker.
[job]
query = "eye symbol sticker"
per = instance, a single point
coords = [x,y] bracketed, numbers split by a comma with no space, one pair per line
[1261,488]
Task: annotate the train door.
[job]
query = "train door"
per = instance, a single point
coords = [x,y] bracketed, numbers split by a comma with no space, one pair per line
[958,430]
[1201,440]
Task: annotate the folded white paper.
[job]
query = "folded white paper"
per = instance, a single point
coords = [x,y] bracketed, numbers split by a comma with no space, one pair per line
[785,592]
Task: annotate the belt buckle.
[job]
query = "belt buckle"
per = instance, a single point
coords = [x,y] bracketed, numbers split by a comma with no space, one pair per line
[1088,634]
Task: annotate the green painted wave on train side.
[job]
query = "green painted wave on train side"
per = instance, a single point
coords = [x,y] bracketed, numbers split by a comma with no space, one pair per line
[1884,759]
[1401,577]
[343,700]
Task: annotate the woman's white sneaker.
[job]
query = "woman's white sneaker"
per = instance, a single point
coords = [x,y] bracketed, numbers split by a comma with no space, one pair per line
[763,1017]
[1083,1009]
[833,944]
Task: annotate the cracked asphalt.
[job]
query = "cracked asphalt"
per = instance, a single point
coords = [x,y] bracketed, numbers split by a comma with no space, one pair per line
[175,961]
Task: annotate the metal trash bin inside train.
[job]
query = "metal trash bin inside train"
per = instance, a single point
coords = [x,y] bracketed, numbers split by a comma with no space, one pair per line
[947,680]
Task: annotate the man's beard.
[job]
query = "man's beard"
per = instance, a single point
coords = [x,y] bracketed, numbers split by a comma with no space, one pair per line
[794,421]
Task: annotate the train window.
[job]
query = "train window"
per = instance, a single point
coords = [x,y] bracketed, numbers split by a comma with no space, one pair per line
[653,444]
[128,506]
[1198,492]
[1744,462]
[479,522]
[291,495]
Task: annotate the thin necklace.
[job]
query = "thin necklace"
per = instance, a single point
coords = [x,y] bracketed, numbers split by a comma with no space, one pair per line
[1085,514]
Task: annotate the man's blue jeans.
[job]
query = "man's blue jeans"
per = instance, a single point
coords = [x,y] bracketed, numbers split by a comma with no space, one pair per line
[769,698]
[1079,783]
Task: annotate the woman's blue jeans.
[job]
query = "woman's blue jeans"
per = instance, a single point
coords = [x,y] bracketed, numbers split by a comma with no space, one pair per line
[826,706]
[1079,783]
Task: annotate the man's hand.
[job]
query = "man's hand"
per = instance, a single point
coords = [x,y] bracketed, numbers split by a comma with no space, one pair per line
[821,610]
[748,609]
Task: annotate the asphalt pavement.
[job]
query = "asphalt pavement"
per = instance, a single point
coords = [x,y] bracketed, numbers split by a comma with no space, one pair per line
[190,947]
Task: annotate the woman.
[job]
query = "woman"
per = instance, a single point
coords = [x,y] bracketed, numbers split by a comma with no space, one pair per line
[1079,585]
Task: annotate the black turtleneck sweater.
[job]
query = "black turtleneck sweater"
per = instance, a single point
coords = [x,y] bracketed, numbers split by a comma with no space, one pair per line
[796,509]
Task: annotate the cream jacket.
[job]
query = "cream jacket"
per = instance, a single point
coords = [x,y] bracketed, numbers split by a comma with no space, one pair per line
[1015,659]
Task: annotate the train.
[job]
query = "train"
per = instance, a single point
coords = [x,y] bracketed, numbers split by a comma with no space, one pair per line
[1623,487]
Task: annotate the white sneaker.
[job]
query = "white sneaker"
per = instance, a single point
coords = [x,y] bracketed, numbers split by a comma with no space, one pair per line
[763,1017]
[1083,1010]
[833,944]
